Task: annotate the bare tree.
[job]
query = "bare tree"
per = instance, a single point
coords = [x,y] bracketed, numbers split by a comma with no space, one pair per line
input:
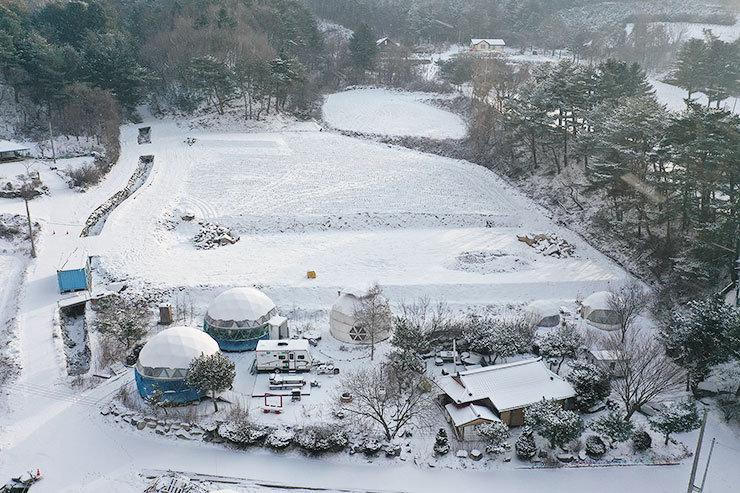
[627,302]
[374,316]
[386,398]
[645,370]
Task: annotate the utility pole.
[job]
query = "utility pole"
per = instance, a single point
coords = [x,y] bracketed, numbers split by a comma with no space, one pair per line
[30,229]
[53,151]
[706,469]
[692,488]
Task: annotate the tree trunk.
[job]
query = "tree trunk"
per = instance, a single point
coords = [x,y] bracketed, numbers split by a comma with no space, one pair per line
[666,438]
[215,404]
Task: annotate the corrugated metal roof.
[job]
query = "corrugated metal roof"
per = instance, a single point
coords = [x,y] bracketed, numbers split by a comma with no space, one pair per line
[10,146]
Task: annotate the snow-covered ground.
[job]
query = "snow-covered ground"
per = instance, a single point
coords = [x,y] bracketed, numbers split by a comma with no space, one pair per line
[301,199]
[387,112]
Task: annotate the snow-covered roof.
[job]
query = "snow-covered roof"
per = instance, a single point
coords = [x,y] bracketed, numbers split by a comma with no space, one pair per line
[10,146]
[597,301]
[176,348]
[282,345]
[468,413]
[77,260]
[277,320]
[240,304]
[346,303]
[490,41]
[508,386]
[386,39]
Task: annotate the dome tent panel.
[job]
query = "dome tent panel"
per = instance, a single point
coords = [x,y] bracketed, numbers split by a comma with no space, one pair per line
[543,313]
[164,361]
[239,318]
[343,325]
[596,311]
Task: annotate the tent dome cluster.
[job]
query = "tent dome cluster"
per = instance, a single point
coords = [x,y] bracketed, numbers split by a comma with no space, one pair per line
[240,317]
[164,361]
[344,324]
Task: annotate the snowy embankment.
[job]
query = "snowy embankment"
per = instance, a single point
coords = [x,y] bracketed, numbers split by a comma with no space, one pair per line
[693,30]
[394,113]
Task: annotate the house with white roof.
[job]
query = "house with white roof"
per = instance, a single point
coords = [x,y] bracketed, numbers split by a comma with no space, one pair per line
[487,44]
[10,151]
[500,392]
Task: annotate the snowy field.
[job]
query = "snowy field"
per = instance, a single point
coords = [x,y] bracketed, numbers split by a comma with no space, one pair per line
[387,112]
[299,199]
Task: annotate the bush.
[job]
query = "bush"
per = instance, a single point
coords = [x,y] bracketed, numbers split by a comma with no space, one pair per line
[595,446]
[525,447]
[319,439]
[441,443]
[613,426]
[679,417]
[641,440]
[590,383]
[549,419]
[280,438]
[86,175]
[242,433]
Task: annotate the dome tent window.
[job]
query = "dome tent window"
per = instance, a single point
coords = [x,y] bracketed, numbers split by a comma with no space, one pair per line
[241,317]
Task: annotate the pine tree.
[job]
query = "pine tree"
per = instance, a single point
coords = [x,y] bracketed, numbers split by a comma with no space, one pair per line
[613,425]
[590,383]
[676,418]
[211,374]
[561,343]
[549,419]
[362,48]
[212,77]
[525,446]
[688,72]
[495,434]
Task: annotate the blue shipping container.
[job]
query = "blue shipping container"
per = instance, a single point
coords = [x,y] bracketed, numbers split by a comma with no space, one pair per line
[74,274]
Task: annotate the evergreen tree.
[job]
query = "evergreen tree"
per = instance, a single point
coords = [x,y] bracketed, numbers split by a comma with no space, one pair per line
[590,383]
[616,79]
[495,434]
[213,78]
[688,72]
[211,374]
[525,446]
[561,343]
[613,425]
[676,418]
[549,419]
[363,48]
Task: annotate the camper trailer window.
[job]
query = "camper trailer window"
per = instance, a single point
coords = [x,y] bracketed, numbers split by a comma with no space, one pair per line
[282,356]
[300,356]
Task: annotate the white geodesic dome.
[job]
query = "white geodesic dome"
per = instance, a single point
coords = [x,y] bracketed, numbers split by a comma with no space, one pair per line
[169,353]
[343,325]
[543,313]
[596,311]
[240,307]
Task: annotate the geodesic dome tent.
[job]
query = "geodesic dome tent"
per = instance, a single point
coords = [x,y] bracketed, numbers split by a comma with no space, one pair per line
[164,361]
[240,317]
[543,313]
[596,311]
[343,324]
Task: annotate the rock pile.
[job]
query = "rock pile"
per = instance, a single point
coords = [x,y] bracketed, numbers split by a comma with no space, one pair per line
[212,235]
[549,245]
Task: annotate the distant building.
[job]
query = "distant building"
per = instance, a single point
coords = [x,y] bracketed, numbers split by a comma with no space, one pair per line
[487,44]
[11,151]
[500,392]
[386,43]
[606,360]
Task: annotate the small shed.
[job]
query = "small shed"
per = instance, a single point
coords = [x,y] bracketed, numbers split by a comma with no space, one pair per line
[606,360]
[487,44]
[74,273]
[11,151]
[386,43]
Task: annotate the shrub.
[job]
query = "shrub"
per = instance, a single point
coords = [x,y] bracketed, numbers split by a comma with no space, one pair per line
[86,175]
[319,439]
[641,440]
[242,433]
[280,438]
[613,425]
[676,418]
[525,447]
[590,383]
[595,446]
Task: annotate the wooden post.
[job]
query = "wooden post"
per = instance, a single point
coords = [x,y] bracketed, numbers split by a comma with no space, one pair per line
[696,454]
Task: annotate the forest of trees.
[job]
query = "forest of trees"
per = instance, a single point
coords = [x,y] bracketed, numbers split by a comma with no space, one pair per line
[671,181]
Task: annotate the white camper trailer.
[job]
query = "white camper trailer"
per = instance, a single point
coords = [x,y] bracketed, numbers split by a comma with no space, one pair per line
[283,355]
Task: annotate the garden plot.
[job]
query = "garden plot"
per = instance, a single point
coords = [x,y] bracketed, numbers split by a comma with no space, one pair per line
[387,112]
